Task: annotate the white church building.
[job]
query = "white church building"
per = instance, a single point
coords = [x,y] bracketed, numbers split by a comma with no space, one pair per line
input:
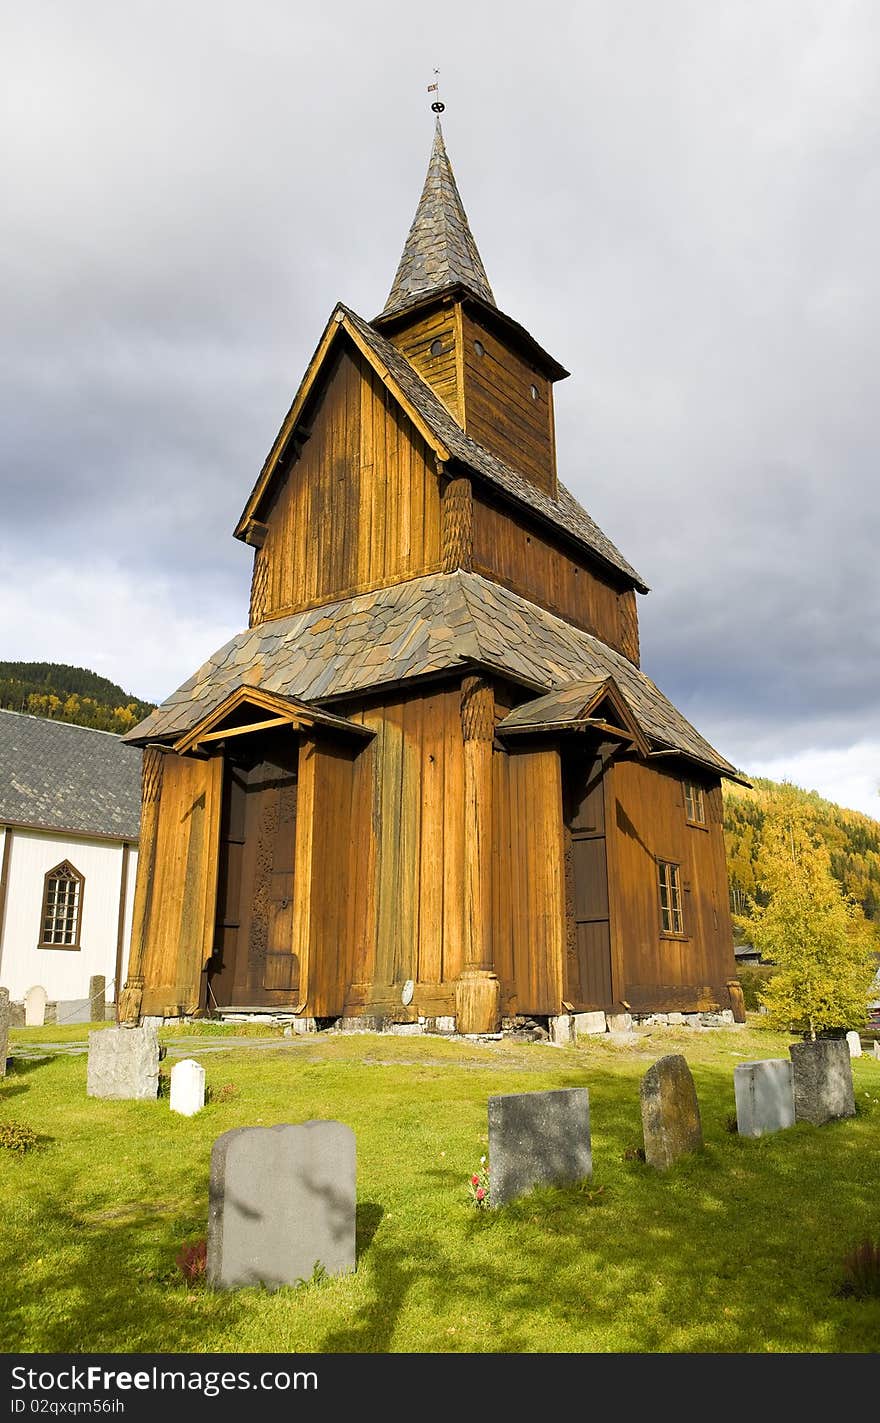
[69,820]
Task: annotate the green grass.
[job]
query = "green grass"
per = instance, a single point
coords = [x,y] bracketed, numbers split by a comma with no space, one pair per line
[737,1249]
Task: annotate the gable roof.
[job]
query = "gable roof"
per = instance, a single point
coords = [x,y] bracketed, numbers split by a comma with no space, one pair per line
[271,709]
[55,776]
[575,707]
[426,626]
[444,435]
[440,250]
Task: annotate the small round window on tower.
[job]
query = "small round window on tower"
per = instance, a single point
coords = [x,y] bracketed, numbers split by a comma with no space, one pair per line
[533,391]
[436,347]
[479,348]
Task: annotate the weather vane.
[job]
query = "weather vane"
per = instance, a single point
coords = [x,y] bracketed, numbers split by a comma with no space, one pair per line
[438,106]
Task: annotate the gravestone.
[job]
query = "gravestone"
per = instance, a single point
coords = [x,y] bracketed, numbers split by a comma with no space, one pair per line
[877,1047]
[5,1016]
[35,1001]
[823,1084]
[538,1139]
[588,1024]
[764,1096]
[854,1043]
[282,1200]
[187,1087]
[670,1112]
[124,1063]
[98,998]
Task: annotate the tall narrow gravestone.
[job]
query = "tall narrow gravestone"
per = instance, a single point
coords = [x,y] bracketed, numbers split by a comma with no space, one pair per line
[670,1112]
[823,1083]
[764,1096]
[97,998]
[282,1201]
[4,1029]
[538,1139]
[854,1043]
[35,1001]
[124,1063]
[187,1087]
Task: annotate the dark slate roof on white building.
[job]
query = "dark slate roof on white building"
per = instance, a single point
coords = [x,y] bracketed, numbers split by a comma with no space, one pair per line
[55,776]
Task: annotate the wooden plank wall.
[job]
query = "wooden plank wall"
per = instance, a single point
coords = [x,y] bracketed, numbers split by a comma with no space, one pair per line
[645,821]
[440,371]
[179,931]
[499,410]
[528,890]
[359,508]
[407,859]
[326,847]
[516,553]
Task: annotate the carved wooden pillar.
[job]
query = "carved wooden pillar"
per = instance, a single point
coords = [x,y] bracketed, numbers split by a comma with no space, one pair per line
[457,513]
[130,998]
[477,989]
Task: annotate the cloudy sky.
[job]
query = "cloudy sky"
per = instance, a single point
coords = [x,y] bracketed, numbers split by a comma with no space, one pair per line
[679,198]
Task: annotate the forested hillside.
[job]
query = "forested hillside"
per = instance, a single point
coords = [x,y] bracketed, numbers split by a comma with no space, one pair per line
[74,694]
[853,840]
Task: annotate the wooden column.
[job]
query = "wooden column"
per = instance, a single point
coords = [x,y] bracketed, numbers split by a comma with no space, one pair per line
[129,1000]
[477,989]
[457,527]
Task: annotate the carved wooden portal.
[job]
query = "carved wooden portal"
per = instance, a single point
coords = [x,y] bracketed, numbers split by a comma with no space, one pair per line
[254,963]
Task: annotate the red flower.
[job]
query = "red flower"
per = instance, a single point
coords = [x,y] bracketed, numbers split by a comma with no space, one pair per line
[480,1194]
[475,1180]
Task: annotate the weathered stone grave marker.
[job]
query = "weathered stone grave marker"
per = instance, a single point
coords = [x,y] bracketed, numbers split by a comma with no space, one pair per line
[187,1087]
[854,1043]
[764,1096]
[877,1047]
[670,1112]
[35,1001]
[5,1015]
[124,1063]
[823,1084]
[282,1200]
[98,998]
[538,1139]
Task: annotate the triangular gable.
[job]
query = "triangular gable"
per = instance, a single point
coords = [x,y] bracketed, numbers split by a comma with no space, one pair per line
[250,709]
[597,704]
[338,328]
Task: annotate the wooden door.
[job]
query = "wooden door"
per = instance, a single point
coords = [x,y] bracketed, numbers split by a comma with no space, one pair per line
[254,963]
[589,933]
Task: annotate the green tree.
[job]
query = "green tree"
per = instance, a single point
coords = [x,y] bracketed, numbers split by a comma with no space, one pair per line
[816,936]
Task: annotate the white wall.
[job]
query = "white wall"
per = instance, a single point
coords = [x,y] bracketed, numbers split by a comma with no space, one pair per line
[64,973]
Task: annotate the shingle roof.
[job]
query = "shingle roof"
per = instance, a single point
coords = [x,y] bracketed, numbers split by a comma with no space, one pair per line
[61,777]
[414,629]
[563,513]
[440,249]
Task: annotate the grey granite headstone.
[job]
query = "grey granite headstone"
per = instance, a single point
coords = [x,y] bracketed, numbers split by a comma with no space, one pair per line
[124,1063]
[538,1139]
[5,1015]
[764,1096]
[98,997]
[282,1200]
[35,1001]
[670,1112]
[823,1084]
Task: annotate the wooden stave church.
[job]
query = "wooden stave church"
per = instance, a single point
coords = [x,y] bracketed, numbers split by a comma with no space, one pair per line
[429,780]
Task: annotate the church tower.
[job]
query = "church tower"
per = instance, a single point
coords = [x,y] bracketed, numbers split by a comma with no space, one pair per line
[428,783]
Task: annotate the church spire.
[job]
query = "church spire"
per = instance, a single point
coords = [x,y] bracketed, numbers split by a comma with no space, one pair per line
[440,250]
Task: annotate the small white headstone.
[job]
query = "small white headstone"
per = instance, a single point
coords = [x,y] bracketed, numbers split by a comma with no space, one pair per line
[877,1047]
[855,1044]
[187,1087]
[35,1001]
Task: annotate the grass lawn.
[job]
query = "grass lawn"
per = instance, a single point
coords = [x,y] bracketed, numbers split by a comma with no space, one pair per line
[737,1249]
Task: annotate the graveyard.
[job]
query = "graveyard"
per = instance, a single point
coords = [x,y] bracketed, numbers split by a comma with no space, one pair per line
[737,1246]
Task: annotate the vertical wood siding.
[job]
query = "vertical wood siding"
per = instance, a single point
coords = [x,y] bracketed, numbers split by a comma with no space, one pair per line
[499,410]
[515,553]
[528,892]
[439,371]
[645,821]
[179,925]
[359,508]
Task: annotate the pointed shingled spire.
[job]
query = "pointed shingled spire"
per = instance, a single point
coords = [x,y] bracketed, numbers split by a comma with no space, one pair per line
[440,250]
